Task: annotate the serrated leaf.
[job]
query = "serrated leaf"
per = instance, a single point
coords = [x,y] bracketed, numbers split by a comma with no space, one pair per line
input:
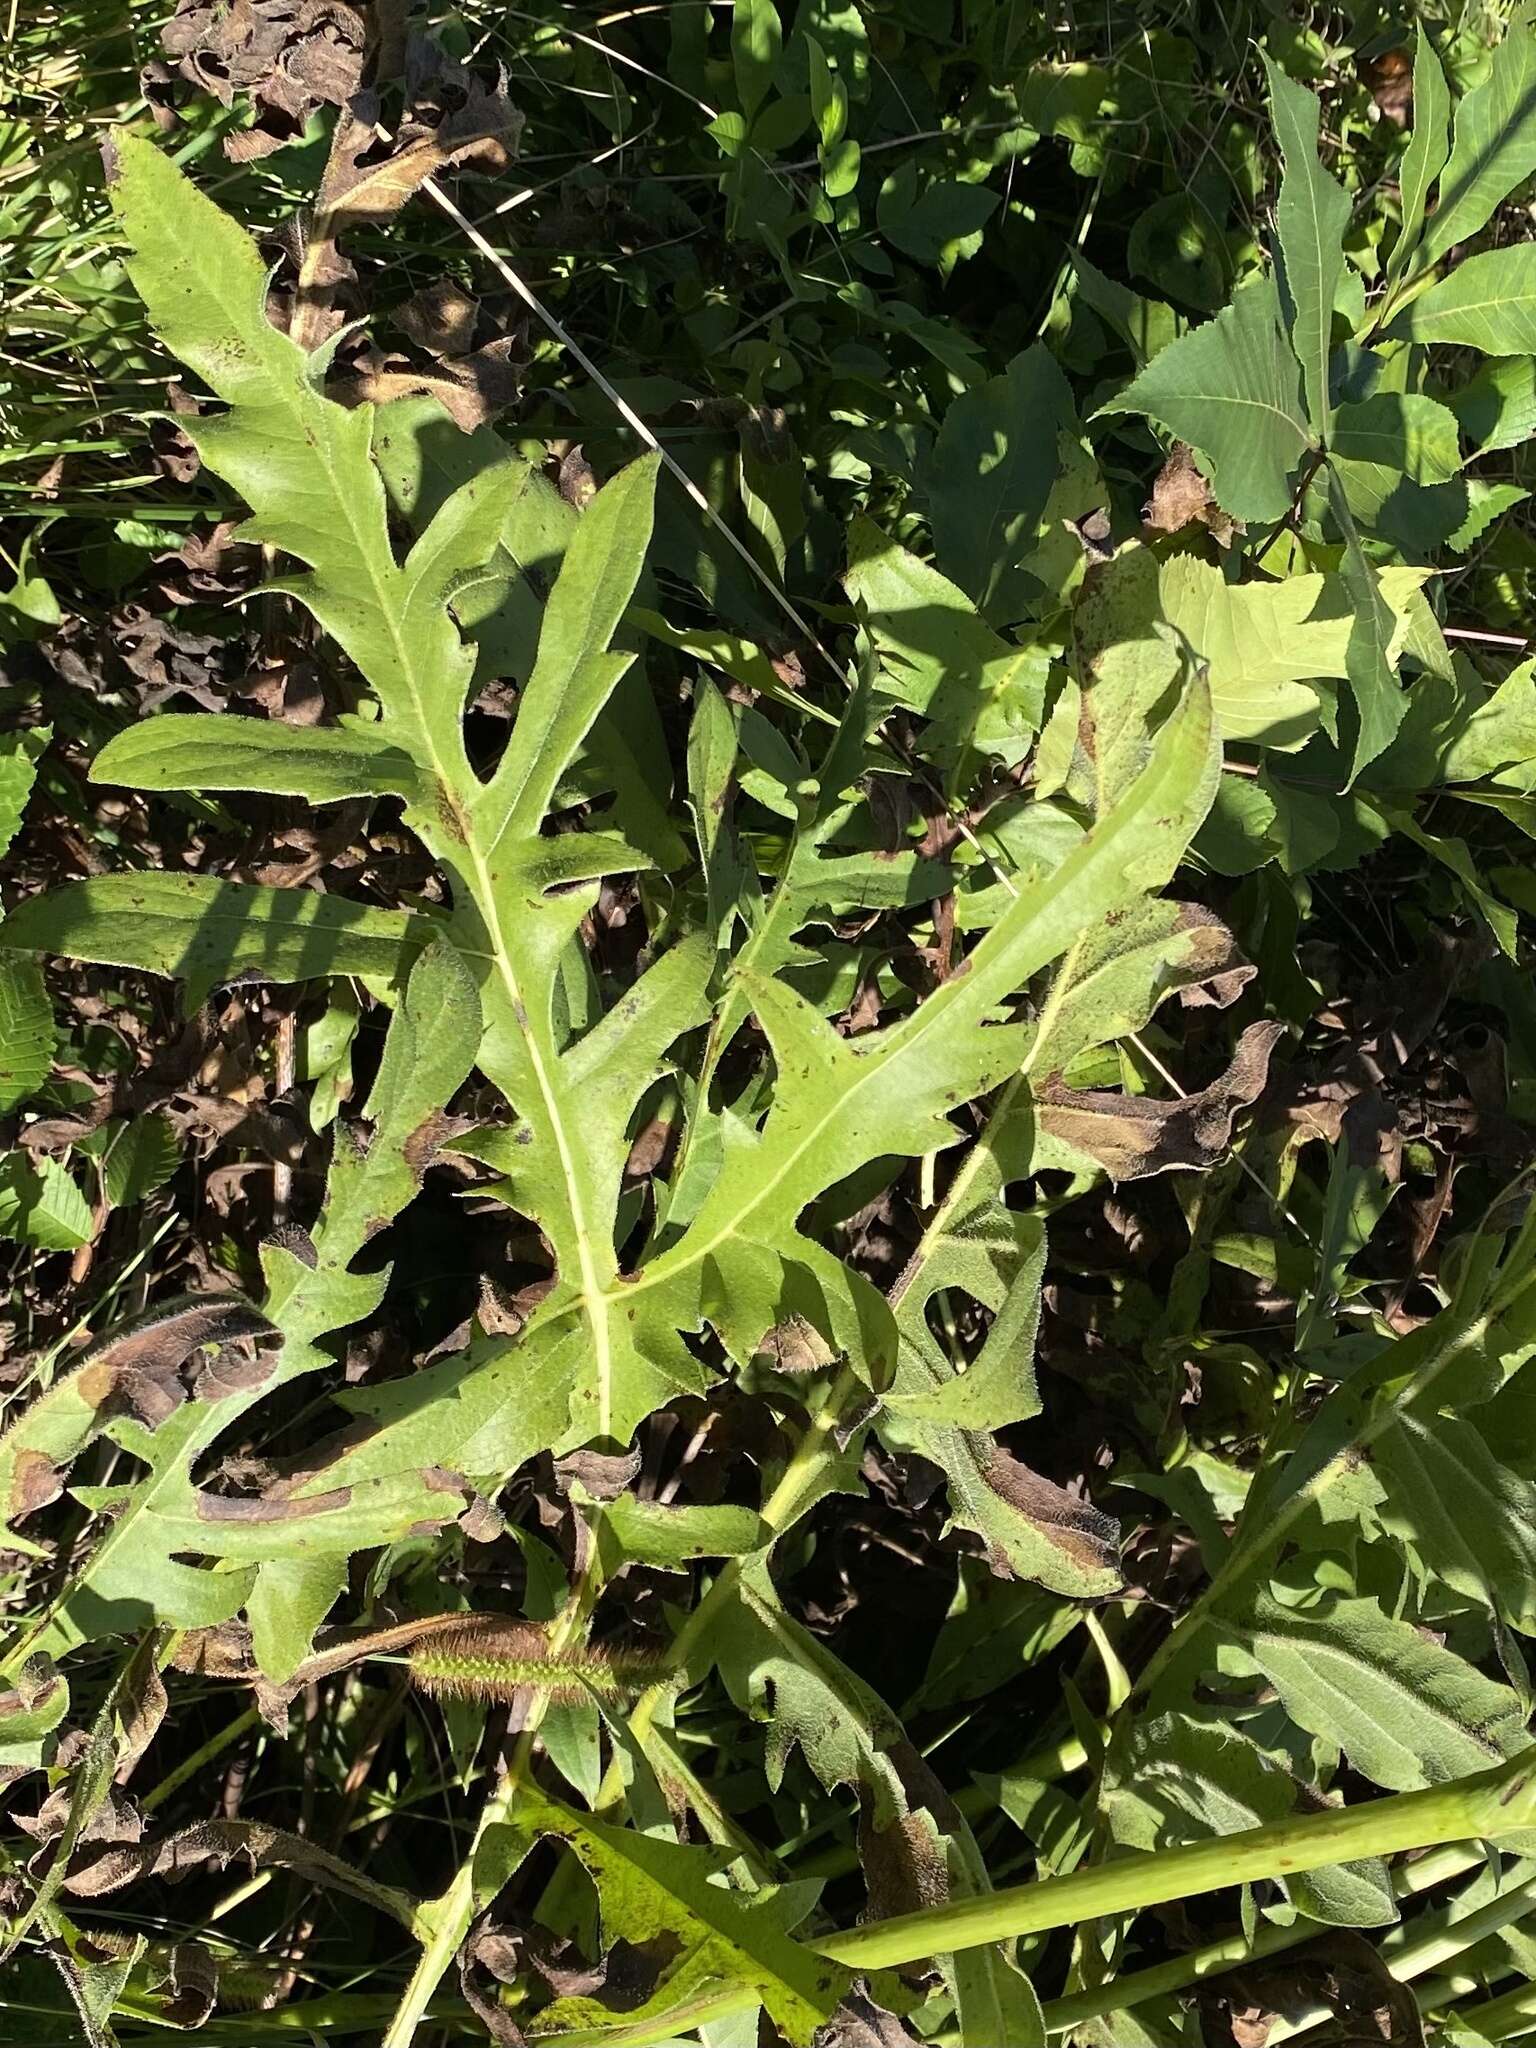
[303,464]
[1232,390]
[1487,303]
[207,932]
[574,673]
[643,1532]
[19,755]
[141,1156]
[1312,214]
[41,1205]
[27,1034]
[1406,1711]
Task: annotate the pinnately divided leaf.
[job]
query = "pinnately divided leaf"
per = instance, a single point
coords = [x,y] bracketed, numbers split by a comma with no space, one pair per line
[878,1166]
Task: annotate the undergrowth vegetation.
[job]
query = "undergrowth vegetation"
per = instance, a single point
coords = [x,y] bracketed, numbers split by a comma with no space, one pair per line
[767,1058]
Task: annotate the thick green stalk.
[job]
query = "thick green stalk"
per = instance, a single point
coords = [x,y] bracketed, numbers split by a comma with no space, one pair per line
[1491,1804]
[1160,1980]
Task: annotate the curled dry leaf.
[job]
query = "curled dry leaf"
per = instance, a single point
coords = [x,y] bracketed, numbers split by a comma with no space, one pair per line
[861,2023]
[454,120]
[220,1843]
[1181,496]
[1132,1136]
[1088,1537]
[291,56]
[471,389]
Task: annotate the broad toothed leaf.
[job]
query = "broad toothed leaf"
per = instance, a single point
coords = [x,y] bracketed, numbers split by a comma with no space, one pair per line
[1232,390]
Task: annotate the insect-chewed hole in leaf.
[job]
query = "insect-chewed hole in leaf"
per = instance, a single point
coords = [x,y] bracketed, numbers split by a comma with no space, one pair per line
[492,1660]
[958,1321]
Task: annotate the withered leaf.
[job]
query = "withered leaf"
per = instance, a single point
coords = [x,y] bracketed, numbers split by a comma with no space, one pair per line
[290,56]
[1133,1136]
[1216,971]
[138,1365]
[454,120]
[600,1475]
[189,1989]
[1181,496]
[440,318]
[860,2023]
[219,1843]
[471,389]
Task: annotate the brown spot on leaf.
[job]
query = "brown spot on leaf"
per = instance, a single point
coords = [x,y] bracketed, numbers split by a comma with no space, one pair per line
[1086,1535]
[35,1481]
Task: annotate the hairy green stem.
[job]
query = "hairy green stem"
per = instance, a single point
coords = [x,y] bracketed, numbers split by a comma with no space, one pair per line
[442,1924]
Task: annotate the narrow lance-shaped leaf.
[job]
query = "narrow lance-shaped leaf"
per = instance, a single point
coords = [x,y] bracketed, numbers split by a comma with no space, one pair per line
[191,750]
[1378,696]
[1312,215]
[1493,150]
[207,932]
[1428,146]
